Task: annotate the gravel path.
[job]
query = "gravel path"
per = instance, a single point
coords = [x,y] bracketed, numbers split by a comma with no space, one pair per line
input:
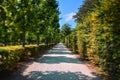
[56,64]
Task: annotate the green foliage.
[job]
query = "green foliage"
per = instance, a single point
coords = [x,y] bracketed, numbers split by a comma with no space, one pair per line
[70,41]
[65,30]
[85,9]
[98,35]
[11,55]
[19,18]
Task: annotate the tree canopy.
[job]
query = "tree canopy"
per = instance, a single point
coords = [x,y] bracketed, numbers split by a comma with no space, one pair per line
[26,21]
[65,30]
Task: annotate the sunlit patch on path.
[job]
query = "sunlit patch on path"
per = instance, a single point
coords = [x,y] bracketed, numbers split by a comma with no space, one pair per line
[57,64]
[62,55]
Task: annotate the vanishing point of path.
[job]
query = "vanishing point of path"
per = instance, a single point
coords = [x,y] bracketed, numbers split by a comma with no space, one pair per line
[56,64]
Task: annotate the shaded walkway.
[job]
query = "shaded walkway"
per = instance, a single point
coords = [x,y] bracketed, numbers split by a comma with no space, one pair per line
[57,64]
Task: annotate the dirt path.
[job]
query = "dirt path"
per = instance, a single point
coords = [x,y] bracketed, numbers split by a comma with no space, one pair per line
[57,64]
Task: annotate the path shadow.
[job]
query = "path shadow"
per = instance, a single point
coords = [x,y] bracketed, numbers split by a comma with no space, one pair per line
[59,52]
[36,75]
[10,74]
[58,60]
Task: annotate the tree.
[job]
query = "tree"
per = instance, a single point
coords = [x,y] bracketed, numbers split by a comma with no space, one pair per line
[65,30]
[51,20]
[86,8]
[3,16]
[20,18]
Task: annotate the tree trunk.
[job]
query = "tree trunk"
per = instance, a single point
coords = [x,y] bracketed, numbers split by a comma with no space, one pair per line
[23,39]
[13,40]
[38,40]
[5,34]
[5,39]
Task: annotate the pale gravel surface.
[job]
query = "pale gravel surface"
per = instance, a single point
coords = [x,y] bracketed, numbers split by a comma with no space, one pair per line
[57,64]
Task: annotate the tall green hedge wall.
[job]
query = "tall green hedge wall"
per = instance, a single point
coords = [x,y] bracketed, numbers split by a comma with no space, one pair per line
[98,37]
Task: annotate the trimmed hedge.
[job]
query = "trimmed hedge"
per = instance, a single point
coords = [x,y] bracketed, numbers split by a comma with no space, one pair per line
[12,54]
[70,41]
[98,37]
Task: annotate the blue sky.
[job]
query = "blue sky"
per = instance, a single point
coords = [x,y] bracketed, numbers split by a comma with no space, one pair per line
[68,8]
